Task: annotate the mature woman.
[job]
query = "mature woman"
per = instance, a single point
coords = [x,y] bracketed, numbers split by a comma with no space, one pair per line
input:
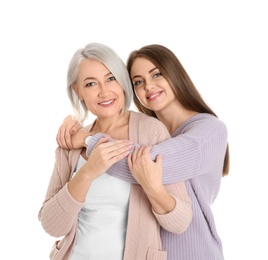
[197,153]
[94,212]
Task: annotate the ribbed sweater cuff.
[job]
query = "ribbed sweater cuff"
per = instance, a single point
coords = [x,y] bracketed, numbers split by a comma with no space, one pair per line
[67,202]
[178,219]
[92,142]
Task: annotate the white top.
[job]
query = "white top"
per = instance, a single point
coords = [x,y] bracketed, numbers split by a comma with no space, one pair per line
[102,221]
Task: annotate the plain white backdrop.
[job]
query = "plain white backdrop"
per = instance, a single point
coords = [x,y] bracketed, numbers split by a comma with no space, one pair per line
[223,47]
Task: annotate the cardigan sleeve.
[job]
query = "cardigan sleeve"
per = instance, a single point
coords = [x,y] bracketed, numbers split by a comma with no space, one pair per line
[199,149]
[179,219]
[59,211]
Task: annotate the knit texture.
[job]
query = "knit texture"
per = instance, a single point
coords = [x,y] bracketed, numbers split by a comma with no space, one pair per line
[59,212]
[195,153]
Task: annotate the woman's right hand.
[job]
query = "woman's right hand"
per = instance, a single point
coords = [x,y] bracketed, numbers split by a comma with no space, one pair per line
[71,134]
[105,153]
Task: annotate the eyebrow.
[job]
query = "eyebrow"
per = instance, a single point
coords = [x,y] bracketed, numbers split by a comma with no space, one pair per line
[153,69]
[150,71]
[89,78]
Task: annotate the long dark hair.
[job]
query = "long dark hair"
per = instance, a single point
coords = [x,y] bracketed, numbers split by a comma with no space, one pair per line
[181,84]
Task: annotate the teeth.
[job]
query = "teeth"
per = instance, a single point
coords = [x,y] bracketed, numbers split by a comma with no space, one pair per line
[107,103]
[153,95]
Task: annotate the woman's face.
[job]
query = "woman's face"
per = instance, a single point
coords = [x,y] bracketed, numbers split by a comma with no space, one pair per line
[99,89]
[150,87]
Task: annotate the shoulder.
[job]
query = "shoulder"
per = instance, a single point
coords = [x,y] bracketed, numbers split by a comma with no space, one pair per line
[204,129]
[205,122]
[146,120]
[150,129]
[213,123]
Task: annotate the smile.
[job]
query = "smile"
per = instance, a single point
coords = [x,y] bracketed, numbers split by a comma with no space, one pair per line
[106,103]
[153,95]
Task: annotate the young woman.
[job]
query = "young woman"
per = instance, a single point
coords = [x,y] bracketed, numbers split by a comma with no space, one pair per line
[94,212]
[197,153]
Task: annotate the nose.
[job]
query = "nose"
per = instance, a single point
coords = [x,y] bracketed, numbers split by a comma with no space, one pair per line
[103,89]
[149,85]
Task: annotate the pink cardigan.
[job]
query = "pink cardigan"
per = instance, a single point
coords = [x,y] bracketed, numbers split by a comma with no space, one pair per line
[59,212]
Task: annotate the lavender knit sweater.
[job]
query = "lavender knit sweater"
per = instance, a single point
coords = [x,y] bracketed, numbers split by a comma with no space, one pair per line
[195,153]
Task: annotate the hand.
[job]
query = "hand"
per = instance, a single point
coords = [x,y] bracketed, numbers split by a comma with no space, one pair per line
[105,153]
[147,172]
[67,130]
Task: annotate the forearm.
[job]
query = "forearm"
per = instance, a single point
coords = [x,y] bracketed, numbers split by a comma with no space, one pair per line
[178,219]
[181,160]
[59,213]
[79,138]
[162,202]
[79,185]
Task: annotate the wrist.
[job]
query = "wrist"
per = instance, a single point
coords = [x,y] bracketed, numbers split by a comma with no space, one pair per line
[87,139]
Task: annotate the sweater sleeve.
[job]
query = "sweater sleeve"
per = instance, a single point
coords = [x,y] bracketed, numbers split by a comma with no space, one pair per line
[59,211]
[179,219]
[197,150]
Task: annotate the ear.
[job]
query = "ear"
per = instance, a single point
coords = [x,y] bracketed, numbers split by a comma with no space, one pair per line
[76,89]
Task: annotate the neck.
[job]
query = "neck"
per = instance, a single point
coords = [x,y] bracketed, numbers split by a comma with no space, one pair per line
[172,120]
[115,126]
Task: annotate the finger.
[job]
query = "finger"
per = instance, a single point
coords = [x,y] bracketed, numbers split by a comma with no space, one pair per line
[69,125]
[119,156]
[104,139]
[104,143]
[68,140]
[144,154]
[159,159]
[140,152]
[135,154]
[117,150]
[61,138]
[146,150]
[112,149]
[129,160]
[73,130]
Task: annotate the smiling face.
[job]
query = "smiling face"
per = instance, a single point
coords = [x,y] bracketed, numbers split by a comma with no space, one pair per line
[99,89]
[150,87]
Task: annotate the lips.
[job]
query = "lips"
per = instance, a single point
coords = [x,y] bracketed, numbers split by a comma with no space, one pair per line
[154,95]
[106,103]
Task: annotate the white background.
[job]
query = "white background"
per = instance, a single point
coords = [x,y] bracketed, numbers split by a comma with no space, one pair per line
[222,45]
